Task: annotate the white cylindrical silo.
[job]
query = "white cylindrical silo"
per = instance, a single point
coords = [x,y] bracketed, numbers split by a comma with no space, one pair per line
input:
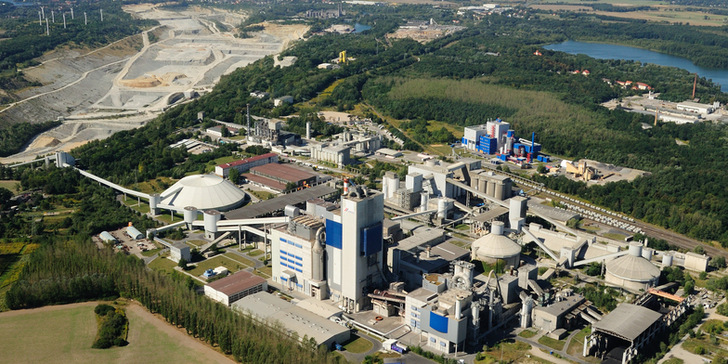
[526,313]
[190,214]
[647,253]
[497,227]
[458,308]
[635,249]
[441,208]
[211,218]
[424,200]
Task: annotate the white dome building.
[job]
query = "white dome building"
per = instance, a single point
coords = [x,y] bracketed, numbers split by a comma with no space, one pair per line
[632,271]
[203,191]
[496,246]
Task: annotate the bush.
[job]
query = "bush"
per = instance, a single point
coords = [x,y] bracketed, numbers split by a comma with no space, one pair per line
[112,327]
[103,309]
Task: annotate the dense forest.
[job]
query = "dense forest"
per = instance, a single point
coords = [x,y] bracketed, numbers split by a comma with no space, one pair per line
[14,138]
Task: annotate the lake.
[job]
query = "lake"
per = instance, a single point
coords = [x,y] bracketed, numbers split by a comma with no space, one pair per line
[611,51]
[358,28]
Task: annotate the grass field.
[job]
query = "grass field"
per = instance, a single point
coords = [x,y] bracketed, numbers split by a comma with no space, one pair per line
[507,352]
[153,186]
[11,185]
[64,334]
[552,343]
[163,264]
[358,345]
[232,263]
[132,202]
[527,333]
[265,272]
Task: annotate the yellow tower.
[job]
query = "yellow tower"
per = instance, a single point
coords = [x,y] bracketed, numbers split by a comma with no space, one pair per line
[342,57]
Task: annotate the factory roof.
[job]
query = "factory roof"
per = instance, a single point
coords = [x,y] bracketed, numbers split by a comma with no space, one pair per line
[633,268]
[268,307]
[563,307]
[203,191]
[627,321]
[268,182]
[494,212]
[283,171]
[236,283]
[420,237]
[495,246]
[319,307]
[389,152]
[279,203]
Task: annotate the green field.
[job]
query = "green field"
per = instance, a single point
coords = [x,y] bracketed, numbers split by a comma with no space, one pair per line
[358,345]
[231,262]
[552,343]
[11,185]
[163,264]
[64,334]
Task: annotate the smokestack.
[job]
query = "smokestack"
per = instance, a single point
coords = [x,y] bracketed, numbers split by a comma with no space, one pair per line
[101,11]
[72,14]
[247,106]
[53,16]
[695,83]
[533,146]
[42,12]
[40,19]
[48,31]
[308,130]
[64,20]
[85,19]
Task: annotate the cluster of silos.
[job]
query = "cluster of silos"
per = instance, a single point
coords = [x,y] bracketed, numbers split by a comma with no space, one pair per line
[492,185]
[496,247]
[633,271]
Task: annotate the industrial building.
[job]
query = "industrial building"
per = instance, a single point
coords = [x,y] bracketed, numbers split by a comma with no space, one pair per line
[217,130]
[304,323]
[243,165]
[203,191]
[632,271]
[496,247]
[350,264]
[698,108]
[336,154]
[230,289]
[496,137]
[179,251]
[280,176]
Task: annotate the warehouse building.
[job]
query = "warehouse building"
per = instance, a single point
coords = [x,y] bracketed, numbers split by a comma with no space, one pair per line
[623,332]
[243,165]
[231,289]
[203,191]
[632,271]
[274,310]
[134,233]
[279,176]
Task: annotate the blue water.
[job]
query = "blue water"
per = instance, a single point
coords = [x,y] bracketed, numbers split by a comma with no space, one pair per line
[358,28]
[611,51]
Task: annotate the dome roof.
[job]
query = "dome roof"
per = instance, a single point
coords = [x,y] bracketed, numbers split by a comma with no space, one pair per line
[495,246]
[203,191]
[633,268]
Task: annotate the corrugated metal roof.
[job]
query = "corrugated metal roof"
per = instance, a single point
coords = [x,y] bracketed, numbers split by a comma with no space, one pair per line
[279,203]
[627,321]
[236,283]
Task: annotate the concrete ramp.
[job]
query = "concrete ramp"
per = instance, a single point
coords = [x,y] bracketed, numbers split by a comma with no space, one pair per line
[219,239]
[535,287]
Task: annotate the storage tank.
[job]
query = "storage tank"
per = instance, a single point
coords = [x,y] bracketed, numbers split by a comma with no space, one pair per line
[647,253]
[526,312]
[495,246]
[317,255]
[211,218]
[441,208]
[490,190]
[632,271]
[667,260]
[424,200]
[291,211]
[190,214]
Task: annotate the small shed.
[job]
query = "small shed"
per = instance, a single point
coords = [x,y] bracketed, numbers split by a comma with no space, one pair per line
[134,233]
[106,237]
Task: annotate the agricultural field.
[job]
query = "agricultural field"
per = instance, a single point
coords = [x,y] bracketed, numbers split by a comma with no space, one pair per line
[13,257]
[11,185]
[64,334]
